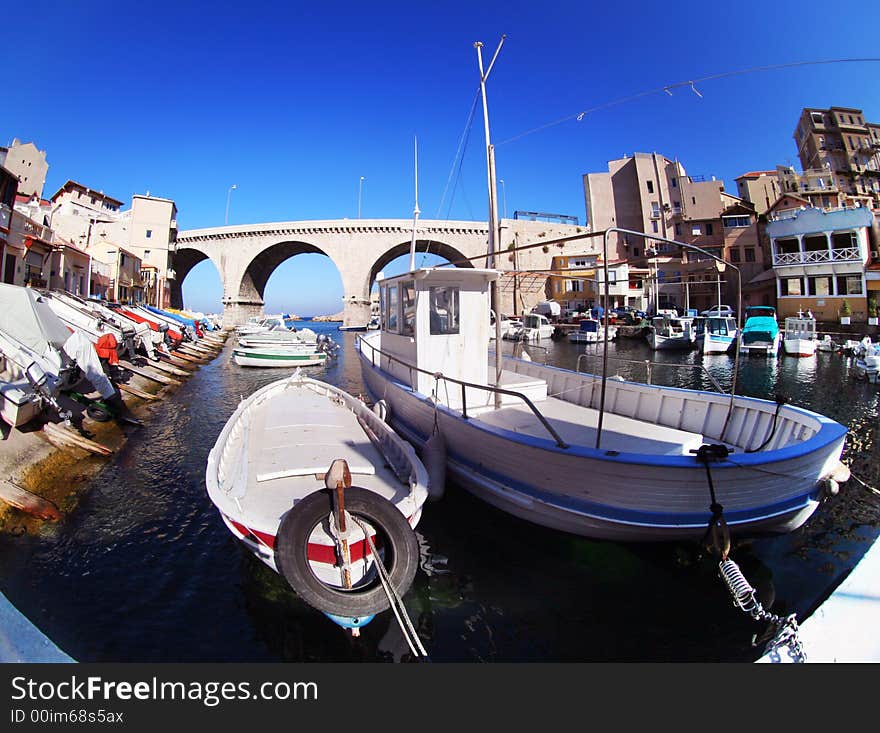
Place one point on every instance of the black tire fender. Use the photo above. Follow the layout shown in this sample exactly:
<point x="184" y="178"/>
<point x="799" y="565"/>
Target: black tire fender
<point x="398" y="540"/>
<point x="98" y="413"/>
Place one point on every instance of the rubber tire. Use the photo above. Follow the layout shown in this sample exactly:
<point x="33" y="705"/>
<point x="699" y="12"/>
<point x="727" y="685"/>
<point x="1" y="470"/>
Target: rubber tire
<point x="98" y="413"/>
<point x="291" y="545"/>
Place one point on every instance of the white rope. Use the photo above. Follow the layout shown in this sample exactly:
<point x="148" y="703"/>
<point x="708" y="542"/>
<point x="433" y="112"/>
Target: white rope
<point x="394" y="599"/>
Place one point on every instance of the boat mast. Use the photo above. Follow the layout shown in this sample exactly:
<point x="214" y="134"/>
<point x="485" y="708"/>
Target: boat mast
<point x="493" y="208"/>
<point x="416" y="212"/>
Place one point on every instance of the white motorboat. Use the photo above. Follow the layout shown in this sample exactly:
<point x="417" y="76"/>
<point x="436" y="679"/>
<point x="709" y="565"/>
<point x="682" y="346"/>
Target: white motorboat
<point x="799" y="338"/>
<point x="866" y="364"/>
<point x="505" y="325"/>
<point x="826" y="343"/>
<point x="282" y="355"/>
<point x="760" y="334"/>
<point x="281" y="475"/>
<point x="592" y="331"/>
<point x="601" y="458"/>
<point x="533" y="327"/>
<point x="41" y="358"/>
<point x="716" y="334"/>
<point x="671" y="332"/>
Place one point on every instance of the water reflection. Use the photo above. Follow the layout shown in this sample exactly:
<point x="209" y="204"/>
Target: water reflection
<point x="145" y="570"/>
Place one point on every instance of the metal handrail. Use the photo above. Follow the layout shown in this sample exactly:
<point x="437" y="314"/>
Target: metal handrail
<point x="648" y="364"/>
<point x="439" y="375"/>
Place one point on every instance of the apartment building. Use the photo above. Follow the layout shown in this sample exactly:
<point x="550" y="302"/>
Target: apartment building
<point x="760" y="188"/>
<point x="28" y="163"/>
<point x="124" y="269"/>
<point x="578" y="282"/>
<point x="819" y="258"/>
<point x="94" y="221"/>
<point x="841" y="143"/>
<point x="653" y="194"/>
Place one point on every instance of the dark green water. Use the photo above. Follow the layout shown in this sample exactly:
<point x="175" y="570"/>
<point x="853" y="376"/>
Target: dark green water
<point x="144" y="569"/>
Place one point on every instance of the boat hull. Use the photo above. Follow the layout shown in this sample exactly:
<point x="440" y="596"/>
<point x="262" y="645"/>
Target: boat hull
<point x="592" y="493"/>
<point x="799" y="347"/>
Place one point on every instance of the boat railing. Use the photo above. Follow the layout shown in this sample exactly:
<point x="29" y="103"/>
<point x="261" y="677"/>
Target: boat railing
<point x="649" y="365"/>
<point x="439" y="376"/>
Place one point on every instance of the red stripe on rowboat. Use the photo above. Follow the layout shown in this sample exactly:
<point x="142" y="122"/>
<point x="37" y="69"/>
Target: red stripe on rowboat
<point x="316" y="553"/>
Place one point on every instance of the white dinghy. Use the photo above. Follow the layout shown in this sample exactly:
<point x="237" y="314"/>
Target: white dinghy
<point x="281" y="475"/>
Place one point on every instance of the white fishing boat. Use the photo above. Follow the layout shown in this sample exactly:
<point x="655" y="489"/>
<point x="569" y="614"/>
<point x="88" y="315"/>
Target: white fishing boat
<point x="760" y="335"/>
<point x="318" y="486"/>
<point x="283" y="355"/>
<point x="716" y="334"/>
<point x="799" y="338"/>
<point x="826" y="343"/>
<point x="671" y="333"/>
<point x="592" y="331"/>
<point x="601" y="458"/>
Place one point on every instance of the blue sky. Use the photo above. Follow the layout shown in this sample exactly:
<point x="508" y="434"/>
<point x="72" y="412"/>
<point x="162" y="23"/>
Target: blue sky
<point x="294" y="102"/>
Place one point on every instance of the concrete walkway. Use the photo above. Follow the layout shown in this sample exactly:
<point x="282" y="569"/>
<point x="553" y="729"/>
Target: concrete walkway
<point x="21" y="641"/>
<point x="844" y="627"/>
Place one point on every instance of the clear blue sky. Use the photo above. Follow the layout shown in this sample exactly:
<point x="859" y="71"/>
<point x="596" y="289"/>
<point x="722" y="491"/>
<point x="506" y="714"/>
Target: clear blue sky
<point x="294" y="102"/>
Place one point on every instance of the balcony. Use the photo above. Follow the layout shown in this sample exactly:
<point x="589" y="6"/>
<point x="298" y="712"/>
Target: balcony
<point x="846" y="254"/>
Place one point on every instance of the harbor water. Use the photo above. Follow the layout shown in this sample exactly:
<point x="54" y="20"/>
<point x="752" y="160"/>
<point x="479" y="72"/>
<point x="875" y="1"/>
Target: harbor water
<point x="144" y="569"/>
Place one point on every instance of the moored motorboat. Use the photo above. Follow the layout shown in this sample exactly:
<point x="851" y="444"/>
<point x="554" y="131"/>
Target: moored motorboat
<point x="799" y="338"/>
<point x="311" y="480"/>
<point x="283" y="355"/>
<point x="671" y="333"/>
<point x="760" y="335"/>
<point x="716" y="334"/>
<point x="592" y="331"/>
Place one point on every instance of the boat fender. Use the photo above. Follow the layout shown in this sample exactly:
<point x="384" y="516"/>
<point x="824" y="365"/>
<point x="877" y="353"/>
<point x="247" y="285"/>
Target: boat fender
<point x="393" y="534"/>
<point x="350" y="622"/>
<point x="381" y="409"/>
<point x="434" y="458"/>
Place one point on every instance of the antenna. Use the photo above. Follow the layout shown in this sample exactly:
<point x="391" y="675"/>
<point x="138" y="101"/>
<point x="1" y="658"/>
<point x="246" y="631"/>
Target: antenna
<point x="416" y="212"/>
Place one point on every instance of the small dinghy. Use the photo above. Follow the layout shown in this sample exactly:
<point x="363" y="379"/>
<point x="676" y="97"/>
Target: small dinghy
<point x="317" y="486"/>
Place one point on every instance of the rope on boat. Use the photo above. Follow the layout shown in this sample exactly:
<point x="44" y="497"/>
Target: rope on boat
<point x="867" y="486"/>
<point x="785" y="629"/>
<point x="780" y="401"/>
<point x="403" y="620"/>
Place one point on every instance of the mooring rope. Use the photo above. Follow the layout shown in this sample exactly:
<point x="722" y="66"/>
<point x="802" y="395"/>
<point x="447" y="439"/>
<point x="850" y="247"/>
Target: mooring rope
<point x="403" y="620"/>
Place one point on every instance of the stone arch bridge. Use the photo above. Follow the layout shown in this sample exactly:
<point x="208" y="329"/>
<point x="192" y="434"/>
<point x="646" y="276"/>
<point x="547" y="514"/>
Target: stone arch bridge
<point x="246" y="256"/>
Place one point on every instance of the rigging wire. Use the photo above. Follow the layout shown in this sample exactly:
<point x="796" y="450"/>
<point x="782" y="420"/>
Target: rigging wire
<point x="690" y="84"/>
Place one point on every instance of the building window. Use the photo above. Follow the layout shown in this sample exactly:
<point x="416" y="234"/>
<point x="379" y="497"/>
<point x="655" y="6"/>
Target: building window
<point x="635" y="251"/>
<point x="792" y="286"/>
<point x="819" y="285"/>
<point x="674" y="182"/>
<point x="817" y="117"/>
<point x="654" y="226"/>
<point x="696" y="230"/>
<point x="734" y="255"/>
<point x="694" y="200"/>
<point x="655" y="208"/>
<point x="709" y="229"/>
<point x="849" y="285"/>
<point x="149" y="233"/>
<point x="731" y="222"/>
<point x="750" y="254"/>
<point x="576" y="286"/>
<point x="650" y="186"/>
<point x="678" y="229"/>
<point x="444" y="310"/>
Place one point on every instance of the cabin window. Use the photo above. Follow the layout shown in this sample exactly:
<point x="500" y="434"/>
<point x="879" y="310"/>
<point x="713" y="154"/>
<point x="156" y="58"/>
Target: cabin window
<point x="444" y="310"/>
<point x="391" y="314"/>
<point x="408" y="306"/>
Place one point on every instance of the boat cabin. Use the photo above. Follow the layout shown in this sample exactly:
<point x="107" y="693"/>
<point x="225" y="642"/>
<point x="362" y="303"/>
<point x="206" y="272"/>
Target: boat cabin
<point x="434" y="319"/>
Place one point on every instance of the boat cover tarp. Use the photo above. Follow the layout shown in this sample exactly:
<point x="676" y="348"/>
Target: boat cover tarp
<point x="759" y="328"/>
<point x="80" y="349"/>
<point x="180" y="319"/>
<point x="26" y="317"/>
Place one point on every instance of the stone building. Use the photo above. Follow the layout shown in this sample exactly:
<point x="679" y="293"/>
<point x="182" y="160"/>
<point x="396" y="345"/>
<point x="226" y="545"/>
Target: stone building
<point x="29" y="164"/>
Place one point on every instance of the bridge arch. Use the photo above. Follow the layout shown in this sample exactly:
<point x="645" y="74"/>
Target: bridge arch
<point x="185" y="259"/>
<point x="252" y="286"/>
<point x="441" y="249"/>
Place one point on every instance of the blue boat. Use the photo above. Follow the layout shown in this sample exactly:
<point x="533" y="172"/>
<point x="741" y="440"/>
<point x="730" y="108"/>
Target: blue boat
<point x="760" y="335"/>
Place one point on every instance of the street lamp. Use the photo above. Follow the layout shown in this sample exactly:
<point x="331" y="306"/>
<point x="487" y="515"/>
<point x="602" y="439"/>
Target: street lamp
<point x="503" y="198"/>
<point x="360" y="189"/>
<point x="228" y="194"/>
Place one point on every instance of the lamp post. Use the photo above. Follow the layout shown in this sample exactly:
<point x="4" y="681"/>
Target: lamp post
<point x="228" y="195"/>
<point x="503" y="198"/>
<point x="360" y="189"/>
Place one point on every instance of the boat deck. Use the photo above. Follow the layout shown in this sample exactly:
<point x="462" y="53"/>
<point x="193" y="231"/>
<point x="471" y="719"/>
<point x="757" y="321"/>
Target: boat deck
<point x="294" y="437"/>
<point x="577" y="425"/>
